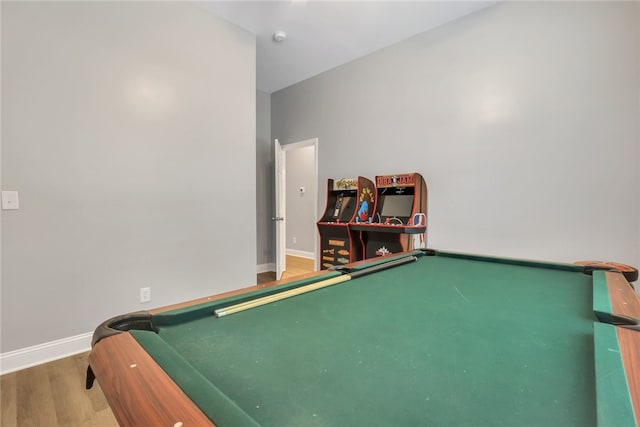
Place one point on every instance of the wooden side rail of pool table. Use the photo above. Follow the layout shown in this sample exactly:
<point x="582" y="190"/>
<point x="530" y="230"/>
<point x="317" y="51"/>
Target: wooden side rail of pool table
<point x="131" y="379"/>
<point x="626" y="302"/>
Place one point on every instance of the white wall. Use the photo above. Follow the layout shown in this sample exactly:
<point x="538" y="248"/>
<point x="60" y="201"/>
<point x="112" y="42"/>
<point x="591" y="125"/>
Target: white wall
<point x="523" y="119"/>
<point x="129" y="130"/>
<point x="301" y="218"/>
<point x="264" y="184"/>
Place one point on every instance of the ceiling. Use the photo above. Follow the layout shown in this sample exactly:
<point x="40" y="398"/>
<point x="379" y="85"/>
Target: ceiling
<point x="324" y="34"/>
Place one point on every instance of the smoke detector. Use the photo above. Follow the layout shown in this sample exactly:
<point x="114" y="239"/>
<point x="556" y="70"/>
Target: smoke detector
<point x="279" y="36"/>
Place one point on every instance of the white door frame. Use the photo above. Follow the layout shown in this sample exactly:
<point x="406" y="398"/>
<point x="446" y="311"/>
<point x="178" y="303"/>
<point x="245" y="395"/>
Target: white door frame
<point x="281" y="195"/>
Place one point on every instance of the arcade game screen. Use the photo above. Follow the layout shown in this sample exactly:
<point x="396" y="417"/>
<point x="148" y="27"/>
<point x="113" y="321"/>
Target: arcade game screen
<point x="344" y="208"/>
<point x="397" y="205"/>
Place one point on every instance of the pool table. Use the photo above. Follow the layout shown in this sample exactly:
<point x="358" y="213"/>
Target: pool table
<point x="427" y="338"/>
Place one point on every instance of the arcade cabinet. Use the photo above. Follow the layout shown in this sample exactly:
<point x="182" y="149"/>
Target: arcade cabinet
<point x="349" y="200"/>
<point x="399" y="222"/>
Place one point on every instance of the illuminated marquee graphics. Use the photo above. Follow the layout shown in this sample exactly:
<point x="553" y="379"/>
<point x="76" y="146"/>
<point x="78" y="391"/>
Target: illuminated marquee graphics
<point x="403" y="180"/>
<point x="346" y="184"/>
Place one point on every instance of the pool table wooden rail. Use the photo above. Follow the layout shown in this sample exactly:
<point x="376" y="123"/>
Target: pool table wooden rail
<point x="623" y="298"/>
<point x="235" y="292"/>
<point x="139" y="392"/>
<point x="626" y="302"/>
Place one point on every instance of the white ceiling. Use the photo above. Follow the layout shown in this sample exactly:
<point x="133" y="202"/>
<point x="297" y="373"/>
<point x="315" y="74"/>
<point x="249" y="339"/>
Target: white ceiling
<point x="324" y="34"/>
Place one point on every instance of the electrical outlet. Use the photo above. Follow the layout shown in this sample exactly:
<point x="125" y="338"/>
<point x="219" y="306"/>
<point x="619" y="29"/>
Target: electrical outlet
<point x="295" y="240"/>
<point x="10" y="200"/>
<point x="145" y="295"/>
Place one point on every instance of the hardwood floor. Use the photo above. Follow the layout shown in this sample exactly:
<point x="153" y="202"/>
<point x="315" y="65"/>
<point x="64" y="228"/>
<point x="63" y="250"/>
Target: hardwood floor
<point x="53" y="394"/>
<point x="295" y="267"/>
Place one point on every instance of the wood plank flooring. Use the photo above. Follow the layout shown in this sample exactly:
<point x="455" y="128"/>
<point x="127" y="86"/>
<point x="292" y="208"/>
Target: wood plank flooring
<point x="53" y="394"/>
<point x="295" y="267"/>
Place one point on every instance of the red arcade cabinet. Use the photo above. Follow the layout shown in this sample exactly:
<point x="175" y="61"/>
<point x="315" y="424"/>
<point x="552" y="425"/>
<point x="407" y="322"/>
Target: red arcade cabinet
<point x="349" y="201"/>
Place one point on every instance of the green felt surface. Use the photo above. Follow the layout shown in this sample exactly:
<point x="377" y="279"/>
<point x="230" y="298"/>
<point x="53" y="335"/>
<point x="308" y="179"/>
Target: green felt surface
<point x="206" y="395"/>
<point x="441" y="341"/>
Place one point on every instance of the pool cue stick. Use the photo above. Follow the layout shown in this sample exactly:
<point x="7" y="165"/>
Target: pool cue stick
<point x="279" y="296"/>
<point x="236" y="308"/>
<point x="383" y="266"/>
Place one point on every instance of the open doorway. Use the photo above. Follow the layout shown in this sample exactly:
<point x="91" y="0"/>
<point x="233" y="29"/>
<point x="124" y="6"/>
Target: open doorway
<point x="296" y="202"/>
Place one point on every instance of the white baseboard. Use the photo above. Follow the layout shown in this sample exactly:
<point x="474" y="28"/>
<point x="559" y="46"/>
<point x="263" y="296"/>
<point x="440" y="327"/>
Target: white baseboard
<point x="265" y="268"/>
<point x="23" y="358"/>
<point x="302" y="254"/>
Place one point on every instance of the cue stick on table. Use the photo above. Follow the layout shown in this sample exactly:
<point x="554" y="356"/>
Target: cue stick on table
<point x="236" y="308"/>
<point x="279" y="296"/>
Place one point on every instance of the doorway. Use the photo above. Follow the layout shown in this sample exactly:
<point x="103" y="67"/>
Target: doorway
<point x="296" y="179"/>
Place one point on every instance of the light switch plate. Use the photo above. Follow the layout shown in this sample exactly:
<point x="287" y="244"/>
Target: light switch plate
<point x="10" y="200"/>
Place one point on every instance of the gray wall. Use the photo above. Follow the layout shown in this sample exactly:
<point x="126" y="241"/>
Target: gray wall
<point x="301" y="218"/>
<point x="264" y="184"/>
<point x="522" y="118"/>
<point x="129" y="130"/>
